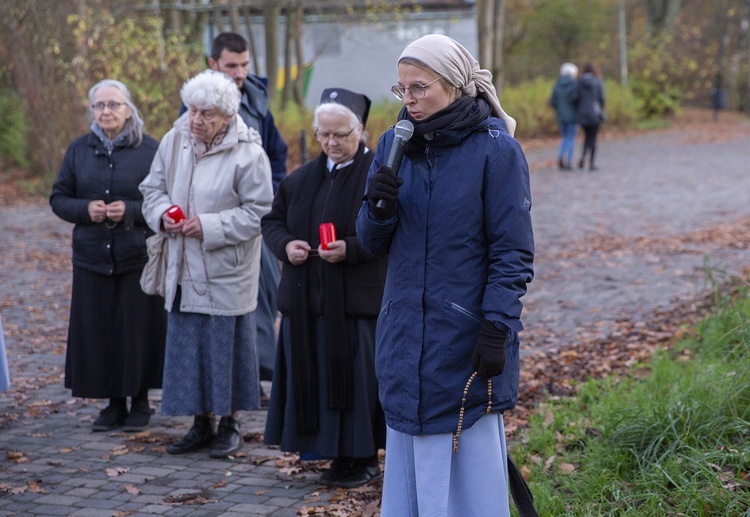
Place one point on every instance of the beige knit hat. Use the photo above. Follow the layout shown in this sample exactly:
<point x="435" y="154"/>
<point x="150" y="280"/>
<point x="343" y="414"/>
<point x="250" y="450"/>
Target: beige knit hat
<point x="449" y="59"/>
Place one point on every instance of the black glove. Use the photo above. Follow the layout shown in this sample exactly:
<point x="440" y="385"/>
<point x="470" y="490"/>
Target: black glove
<point x="488" y="358"/>
<point x="384" y="185"/>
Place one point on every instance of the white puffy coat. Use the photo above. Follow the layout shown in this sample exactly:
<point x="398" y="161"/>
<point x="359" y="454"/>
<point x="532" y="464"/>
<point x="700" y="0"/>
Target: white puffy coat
<point x="229" y="189"/>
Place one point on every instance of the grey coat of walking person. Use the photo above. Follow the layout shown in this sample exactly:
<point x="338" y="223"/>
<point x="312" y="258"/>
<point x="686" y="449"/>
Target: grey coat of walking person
<point x="561" y="100"/>
<point x="213" y="167"/>
<point x="116" y="332"/>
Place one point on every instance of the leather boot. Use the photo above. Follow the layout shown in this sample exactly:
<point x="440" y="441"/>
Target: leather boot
<point x="140" y="414"/>
<point x="112" y="416"/>
<point x="229" y="439"/>
<point x="200" y="435"/>
<point x="361" y="472"/>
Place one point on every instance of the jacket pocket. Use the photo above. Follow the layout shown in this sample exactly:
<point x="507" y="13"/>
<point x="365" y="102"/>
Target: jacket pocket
<point x="458" y="309"/>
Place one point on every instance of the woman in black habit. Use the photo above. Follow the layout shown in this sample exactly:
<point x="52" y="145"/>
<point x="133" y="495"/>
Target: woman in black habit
<point x="324" y="402"/>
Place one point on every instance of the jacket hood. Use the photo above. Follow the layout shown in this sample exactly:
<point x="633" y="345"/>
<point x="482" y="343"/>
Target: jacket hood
<point x="588" y="81"/>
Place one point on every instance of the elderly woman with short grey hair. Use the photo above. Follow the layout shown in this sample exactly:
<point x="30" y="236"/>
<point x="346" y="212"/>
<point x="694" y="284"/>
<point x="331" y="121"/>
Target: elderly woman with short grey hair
<point x="116" y="332"/>
<point x="211" y="166"/>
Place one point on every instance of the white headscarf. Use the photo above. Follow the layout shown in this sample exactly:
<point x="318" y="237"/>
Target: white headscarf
<point x="449" y="59"/>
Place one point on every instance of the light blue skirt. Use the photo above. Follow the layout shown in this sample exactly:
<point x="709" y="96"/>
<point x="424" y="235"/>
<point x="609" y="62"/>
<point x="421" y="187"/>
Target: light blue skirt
<point x="4" y="373"/>
<point x="423" y="477"/>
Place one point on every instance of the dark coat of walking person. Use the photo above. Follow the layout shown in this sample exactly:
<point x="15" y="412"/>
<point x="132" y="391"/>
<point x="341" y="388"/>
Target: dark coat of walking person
<point x="213" y="167"/>
<point x="116" y="332"/>
<point x="324" y="401"/>
<point x="561" y="100"/>
<point x="455" y="224"/>
<point x="589" y="100"/>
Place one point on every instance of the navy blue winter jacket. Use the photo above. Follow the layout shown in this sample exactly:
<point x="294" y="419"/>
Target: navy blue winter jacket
<point x="89" y="173"/>
<point x="460" y="251"/>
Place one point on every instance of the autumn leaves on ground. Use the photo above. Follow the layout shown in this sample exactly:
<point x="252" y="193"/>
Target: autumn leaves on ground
<point x="549" y="369"/>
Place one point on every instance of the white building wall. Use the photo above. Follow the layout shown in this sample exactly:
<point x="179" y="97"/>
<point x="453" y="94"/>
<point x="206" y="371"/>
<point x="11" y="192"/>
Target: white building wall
<point x="361" y="55"/>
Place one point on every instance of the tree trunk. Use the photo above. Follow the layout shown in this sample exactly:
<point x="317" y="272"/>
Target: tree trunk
<point x="660" y="15"/>
<point x="251" y="43"/>
<point x="485" y="10"/>
<point x="217" y="21"/>
<point x="234" y="17"/>
<point x="498" y="54"/>
<point x="299" y="80"/>
<point x="288" y="37"/>
<point x="271" y="13"/>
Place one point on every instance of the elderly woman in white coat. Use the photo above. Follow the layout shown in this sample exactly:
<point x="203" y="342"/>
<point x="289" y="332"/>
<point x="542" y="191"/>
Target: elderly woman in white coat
<point x="213" y="167"/>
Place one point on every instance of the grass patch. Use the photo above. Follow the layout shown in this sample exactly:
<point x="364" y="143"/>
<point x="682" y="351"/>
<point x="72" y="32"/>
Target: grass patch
<point x="674" y="442"/>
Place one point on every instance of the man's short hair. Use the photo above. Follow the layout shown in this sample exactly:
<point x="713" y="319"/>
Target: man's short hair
<point x="230" y="41"/>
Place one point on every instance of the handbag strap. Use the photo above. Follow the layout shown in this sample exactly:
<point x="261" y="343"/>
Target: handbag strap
<point x="520" y="492"/>
<point x="172" y="171"/>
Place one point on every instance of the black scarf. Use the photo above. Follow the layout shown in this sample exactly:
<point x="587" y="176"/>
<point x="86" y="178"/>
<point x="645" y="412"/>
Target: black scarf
<point x="345" y="187"/>
<point x="462" y="114"/>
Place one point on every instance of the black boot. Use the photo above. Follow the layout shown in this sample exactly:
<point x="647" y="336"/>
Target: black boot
<point x="339" y="470"/>
<point x="112" y="416"/>
<point x="200" y="435"/>
<point x="229" y="439"/>
<point x="140" y="413"/>
<point x="361" y="472"/>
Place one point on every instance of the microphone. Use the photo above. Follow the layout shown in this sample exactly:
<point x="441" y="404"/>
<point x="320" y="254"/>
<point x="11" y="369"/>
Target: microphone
<point x="403" y="131"/>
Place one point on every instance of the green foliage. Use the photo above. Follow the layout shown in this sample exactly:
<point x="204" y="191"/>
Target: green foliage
<point x="136" y="53"/>
<point x="541" y="35"/>
<point x="292" y="122"/>
<point x="13" y="129"/>
<point x="672" y="443"/>
<point x="658" y="77"/>
<point x="529" y="104"/>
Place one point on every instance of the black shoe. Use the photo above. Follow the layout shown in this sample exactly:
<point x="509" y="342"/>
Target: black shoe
<point x="228" y="439"/>
<point x="111" y="417"/>
<point x="139" y="417"/>
<point x="580" y="164"/>
<point x="362" y="471"/>
<point x="339" y="470"/>
<point x="201" y="435"/>
<point x="560" y="163"/>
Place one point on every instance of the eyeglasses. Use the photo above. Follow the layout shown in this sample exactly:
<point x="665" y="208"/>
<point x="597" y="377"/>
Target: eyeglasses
<point x="416" y="90"/>
<point x="112" y="105"/>
<point x="336" y="137"/>
<point x="207" y="115"/>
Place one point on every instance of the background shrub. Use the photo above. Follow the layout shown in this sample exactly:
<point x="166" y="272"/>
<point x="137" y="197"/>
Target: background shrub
<point x="13" y="129"/>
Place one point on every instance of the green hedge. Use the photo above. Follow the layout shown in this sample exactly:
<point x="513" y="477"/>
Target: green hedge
<point x="528" y="103"/>
<point x="13" y="129"/>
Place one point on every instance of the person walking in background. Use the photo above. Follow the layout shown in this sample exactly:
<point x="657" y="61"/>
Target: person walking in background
<point x="213" y="167"/>
<point x="589" y="101"/>
<point x="565" y="112"/>
<point x="230" y="54"/>
<point x="116" y="332"/>
<point x="456" y="225"/>
<point x="324" y="401"/>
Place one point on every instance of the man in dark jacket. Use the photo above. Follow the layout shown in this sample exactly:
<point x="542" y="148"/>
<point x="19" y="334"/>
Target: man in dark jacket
<point x="230" y="54"/>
